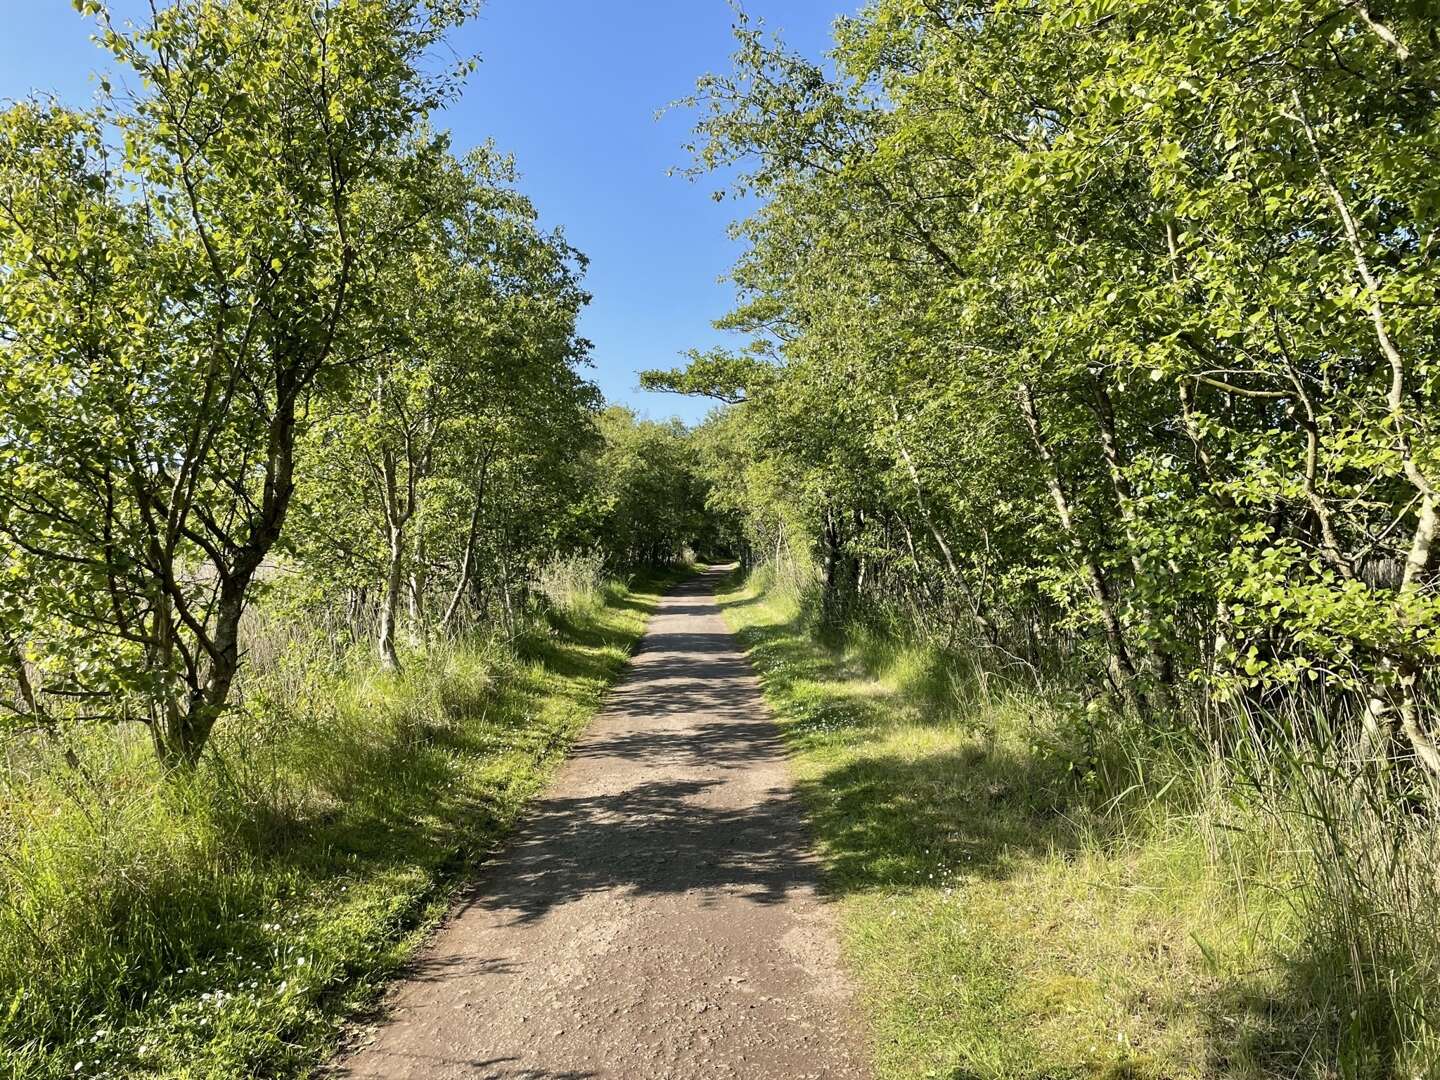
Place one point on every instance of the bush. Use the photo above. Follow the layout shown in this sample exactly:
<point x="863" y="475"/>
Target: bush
<point x="1032" y="885"/>
<point x="573" y="584"/>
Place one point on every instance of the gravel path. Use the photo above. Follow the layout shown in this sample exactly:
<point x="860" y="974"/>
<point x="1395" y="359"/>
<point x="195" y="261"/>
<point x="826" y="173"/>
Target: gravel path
<point x="658" y="915"/>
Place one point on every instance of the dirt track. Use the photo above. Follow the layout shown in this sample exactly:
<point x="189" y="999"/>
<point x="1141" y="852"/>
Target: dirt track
<point x="657" y="917"/>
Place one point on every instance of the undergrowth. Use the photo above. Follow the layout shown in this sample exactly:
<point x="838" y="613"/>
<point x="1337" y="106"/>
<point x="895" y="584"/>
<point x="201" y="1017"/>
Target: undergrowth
<point x="227" y="923"/>
<point x="1031" y="889"/>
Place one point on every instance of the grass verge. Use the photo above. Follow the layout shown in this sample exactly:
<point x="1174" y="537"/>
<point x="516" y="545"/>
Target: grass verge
<point x="1021" y="901"/>
<point x="227" y="926"/>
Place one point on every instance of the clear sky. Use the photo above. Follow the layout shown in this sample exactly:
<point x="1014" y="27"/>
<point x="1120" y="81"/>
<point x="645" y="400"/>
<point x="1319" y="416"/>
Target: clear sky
<point x="571" y="88"/>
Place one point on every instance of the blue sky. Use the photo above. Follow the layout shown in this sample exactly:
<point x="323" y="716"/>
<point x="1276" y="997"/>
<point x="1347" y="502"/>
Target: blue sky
<point x="571" y="88"/>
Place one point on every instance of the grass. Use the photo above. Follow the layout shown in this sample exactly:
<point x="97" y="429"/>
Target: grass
<point x="229" y="925"/>
<point x="1025" y="896"/>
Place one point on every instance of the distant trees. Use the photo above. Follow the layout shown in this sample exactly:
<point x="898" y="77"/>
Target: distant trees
<point x="1104" y="331"/>
<point x="646" y="501"/>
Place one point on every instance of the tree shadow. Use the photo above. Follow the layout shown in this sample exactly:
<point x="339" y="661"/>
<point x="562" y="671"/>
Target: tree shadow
<point x="1309" y="1020"/>
<point x="437" y="1064"/>
<point x="651" y="839"/>
<point x="397" y="804"/>
<point x="889" y="821"/>
<point x="732" y="601"/>
<point x="567" y="632"/>
<point x="499" y="1069"/>
<point x="690" y="714"/>
<point x="885" y="821"/>
<point x="984" y="808"/>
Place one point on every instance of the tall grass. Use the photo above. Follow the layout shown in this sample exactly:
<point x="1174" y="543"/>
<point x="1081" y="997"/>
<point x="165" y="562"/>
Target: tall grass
<point x="1366" y="835"/>
<point x="1035" y="887"/>
<point x="573" y="584"/>
<point x="224" y="923"/>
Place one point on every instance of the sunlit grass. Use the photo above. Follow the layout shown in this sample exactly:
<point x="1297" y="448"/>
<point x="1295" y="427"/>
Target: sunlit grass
<point x="227" y="925"/>
<point x="1026" y="896"/>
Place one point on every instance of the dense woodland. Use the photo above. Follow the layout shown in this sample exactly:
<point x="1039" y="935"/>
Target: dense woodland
<point x="1097" y="341"/>
<point x="1091" y="347"/>
<point x="1106" y="329"/>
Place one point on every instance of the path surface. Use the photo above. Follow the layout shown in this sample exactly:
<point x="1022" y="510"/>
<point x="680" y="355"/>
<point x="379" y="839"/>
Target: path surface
<point x="658" y="917"/>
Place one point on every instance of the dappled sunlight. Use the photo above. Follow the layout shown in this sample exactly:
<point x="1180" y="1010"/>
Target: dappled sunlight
<point x="1008" y="920"/>
<point x="301" y="865"/>
<point x="1065" y="460"/>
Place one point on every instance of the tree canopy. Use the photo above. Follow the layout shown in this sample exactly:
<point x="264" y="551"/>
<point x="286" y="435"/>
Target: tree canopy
<point x="1105" y="328"/>
<point x="258" y="320"/>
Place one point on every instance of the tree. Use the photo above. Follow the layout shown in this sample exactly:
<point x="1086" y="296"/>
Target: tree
<point x="1125" y="311"/>
<point x="646" y="498"/>
<point x="172" y="311"/>
<point x="449" y="435"/>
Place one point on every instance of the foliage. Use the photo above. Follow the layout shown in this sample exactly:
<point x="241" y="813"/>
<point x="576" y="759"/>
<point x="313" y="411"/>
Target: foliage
<point x="447" y="473"/>
<point x="260" y="324"/>
<point x="1091" y="342"/>
<point x="289" y="384"/>
<point x="646" y="498"/>
<point x="1105" y="327"/>
<point x="225" y="922"/>
<point x="172" y="309"/>
<point x="1027" y="891"/>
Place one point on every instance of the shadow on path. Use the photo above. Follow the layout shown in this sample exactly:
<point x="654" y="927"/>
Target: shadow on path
<point x="659" y="913"/>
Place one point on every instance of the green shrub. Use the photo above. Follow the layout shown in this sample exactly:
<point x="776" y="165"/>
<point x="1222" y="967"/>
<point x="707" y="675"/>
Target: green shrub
<point x="1033" y="887"/>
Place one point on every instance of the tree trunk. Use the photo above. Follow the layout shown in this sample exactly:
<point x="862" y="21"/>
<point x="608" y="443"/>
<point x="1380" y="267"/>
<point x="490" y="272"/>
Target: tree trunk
<point x="181" y="730"/>
<point x="1104" y="409"/>
<point x="390" y="599"/>
<point x="1096" y="582"/>
<point x="1409" y="674"/>
<point x="505" y="593"/>
<point x="976" y="607"/>
<point x="467" y="559"/>
<point x="830" y="566"/>
<point x="417" y="589"/>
